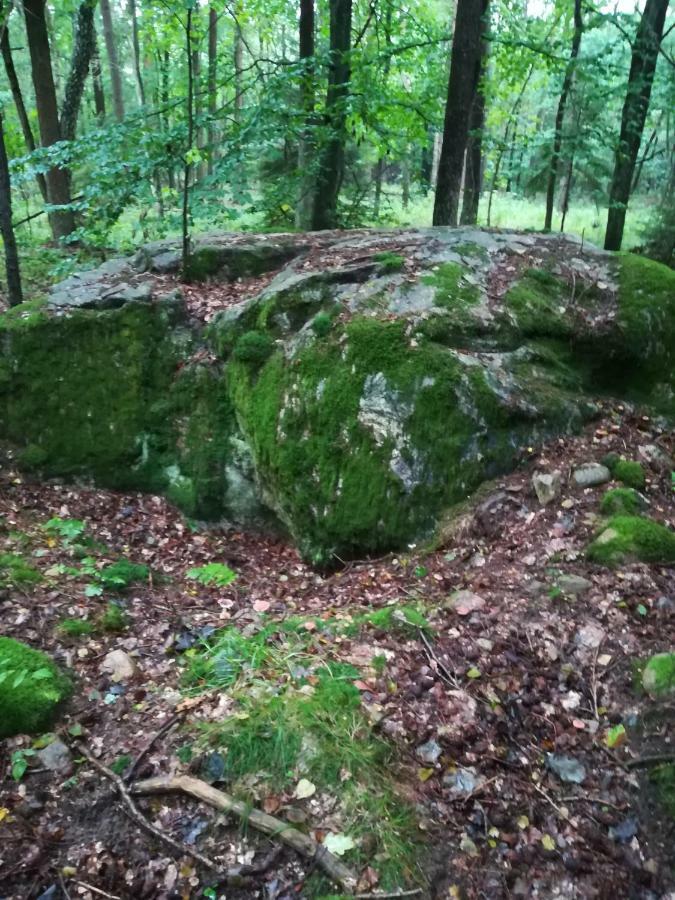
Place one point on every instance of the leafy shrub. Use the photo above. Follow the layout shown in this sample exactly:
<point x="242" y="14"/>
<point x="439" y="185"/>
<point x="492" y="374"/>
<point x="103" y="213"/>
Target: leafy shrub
<point x="253" y="348"/>
<point x="66" y="529"/>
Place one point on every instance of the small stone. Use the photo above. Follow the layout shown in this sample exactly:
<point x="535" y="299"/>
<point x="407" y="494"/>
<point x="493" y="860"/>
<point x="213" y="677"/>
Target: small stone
<point x="485" y="644"/>
<point x="56" y="757"/>
<point x="656" y="457"/>
<point x="567" y="768"/>
<point x="119" y="665"/>
<point x="466" y="602"/>
<point x="429" y="753"/>
<point x="567" y="503"/>
<point x="592" y="474"/>
<point x="574" y="584"/>
<point x="546" y="486"/>
<point x="589" y="637"/>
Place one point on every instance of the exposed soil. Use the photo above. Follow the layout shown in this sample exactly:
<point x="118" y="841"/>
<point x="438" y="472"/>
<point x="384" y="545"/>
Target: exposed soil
<point x="528" y="672"/>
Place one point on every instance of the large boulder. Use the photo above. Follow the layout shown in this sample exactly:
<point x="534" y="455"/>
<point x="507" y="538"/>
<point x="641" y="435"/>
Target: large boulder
<point x="374" y="379"/>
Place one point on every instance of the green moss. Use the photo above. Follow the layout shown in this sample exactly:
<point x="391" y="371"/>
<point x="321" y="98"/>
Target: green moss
<point x="663" y="778"/>
<point x="454" y="290"/>
<point x="254" y="348"/>
<point x="621" y="501"/>
<point x="32" y="689"/>
<point x="658" y="676"/>
<point x="389" y="262"/>
<point x="122" y="574"/>
<point x="76" y="627"/>
<point x="322" y="324"/>
<point x="629" y="472"/>
<point x="405" y="618"/>
<point x="626" y="537"/>
<point x="537" y="302"/>
<point x="114" y="619"/>
<point x="15" y="571"/>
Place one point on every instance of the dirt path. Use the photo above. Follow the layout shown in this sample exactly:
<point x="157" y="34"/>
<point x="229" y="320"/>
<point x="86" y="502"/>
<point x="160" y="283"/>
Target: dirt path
<point x="480" y="704"/>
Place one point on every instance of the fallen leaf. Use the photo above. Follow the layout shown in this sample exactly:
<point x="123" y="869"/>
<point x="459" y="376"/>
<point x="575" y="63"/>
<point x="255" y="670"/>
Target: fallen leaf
<point x="304" y="789"/>
<point x="338" y="843"/>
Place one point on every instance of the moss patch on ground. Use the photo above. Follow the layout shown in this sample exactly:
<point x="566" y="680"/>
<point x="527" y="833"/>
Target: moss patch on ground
<point x="33" y="689"/>
<point x="633" y="537"/>
<point x="15" y="571"/>
<point x="621" y="501"/>
<point x="658" y="676"/>
<point x="538" y="304"/>
<point x="629" y="473"/>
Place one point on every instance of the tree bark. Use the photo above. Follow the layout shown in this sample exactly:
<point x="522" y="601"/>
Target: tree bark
<point x="14" y="293"/>
<point x="560" y="114"/>
<point x="83" y="49"/>
<point x="636" y="104"/>
<point x="462" y="85"/>
<point x="238" y="64"/>
<point x="58" y="181"/>
<point x="97" y="80"/>
<point x="113" y="61"/>
<point x="305" y="207"/>
<point x="136" y="44"/>
<point x="331" y="167"/>
<point x="473" y="175"/>
<point x="212" y="86"/>
<point x="17" y="95"/>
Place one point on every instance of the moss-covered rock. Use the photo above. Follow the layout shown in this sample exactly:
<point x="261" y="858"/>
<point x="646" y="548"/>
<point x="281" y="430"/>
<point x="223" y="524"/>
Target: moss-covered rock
<point x="632" y="537"/>
<point x="629" y="473"/>
<point x="658" y="676"/>
<point x="33" y="689"/>
<point x="620" y="501"/>
<point x="349" y="399"/>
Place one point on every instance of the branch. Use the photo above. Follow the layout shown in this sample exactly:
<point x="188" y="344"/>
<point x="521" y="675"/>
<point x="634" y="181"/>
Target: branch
<point x="301" y="843"/>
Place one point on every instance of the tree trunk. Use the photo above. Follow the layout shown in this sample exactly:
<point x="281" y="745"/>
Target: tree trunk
<point x="99" y="93"/>
<point x="305" y="207"/>
<point x="380" y="167"/>
<point x="24" y="121"/>
<point x="474" y="149"/>
<point x="83" y="49"/>
<point x="187" y="165"/>
<point x="14" y="294"/>
<point x="636" y="104"/>
<point x="462" y="84"/>
<point x="58" y="181"/>
<point x="560" y="114"/>
<point x="238" y="65"/>
<point x="212" y="86"/>
<point x="136" y="44"/>
<point x="113" y="61"/>
<point x="330" y="172"/>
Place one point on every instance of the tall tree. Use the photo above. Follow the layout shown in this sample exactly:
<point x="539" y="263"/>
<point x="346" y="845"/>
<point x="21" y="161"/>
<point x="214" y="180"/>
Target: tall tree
<point x="305" y="204"/>
<point x="97" y="81"/>
<point x="113" y="60"/>
<point x="238" y="62"/>
<point x="462" y="85"/>
<point x="473" y="165"/>
<point x="14" y="293"/>
<point x="17" y="96"/>
<point x="640" y="79"/>
<point x="83" y="49"/>
<point x="136" y="45"/>
<point x="62" y="221"/>
<point x="560" y="114"/>
<point x="331" y="165"/>
<point x="212" y="86"/>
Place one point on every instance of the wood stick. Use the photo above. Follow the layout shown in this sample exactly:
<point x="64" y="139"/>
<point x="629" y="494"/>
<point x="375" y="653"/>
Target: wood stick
<point x="301" y="843"/>
<point x="141" y="820"/>
<point x="643" y="762"/>
<point x="167" y="726"/>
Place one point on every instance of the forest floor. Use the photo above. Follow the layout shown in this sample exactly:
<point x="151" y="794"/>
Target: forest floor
<point x="469" y="747"/>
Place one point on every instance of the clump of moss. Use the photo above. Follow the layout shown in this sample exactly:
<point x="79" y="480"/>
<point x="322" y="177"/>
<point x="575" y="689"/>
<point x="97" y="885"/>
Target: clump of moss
<point x="537" y="303"/>
<point x="32" y="689"/>
<point x="389" y="262"/>
<point x="396" y="618"/>
<point x="621" y="501"/>
<point x="76" y="627"/>
<point x="454" y="290"/>
<point x="629" y="473"/>
<point x="114" y="619"/>
<point x="626" y="537"/>
<point x="253" y="348"/>
<point x="322" y="323"/>
<point x="15" y="571"/>
<point x="658" y="676"/>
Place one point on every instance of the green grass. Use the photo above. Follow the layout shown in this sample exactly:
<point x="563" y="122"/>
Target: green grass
<point x="15" y="571"/>
<point x="76" y="627"/>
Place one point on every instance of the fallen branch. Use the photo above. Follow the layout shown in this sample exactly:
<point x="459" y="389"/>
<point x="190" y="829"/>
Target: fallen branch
<point x="388" y="896"/>
<point x="301" y="843"/>
<point x="643" y="762"/>
<point x="167" y="726"/>
<point x="141" y="820"/>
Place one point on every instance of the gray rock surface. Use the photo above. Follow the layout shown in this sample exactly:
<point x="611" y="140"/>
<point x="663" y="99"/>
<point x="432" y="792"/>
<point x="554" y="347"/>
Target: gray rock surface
<point x="591" y="475"/>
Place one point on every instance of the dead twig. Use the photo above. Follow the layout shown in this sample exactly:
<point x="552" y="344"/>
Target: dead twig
<point x="594" y="680"/>
<point x="167" y="726"/>
<point x="95" y="890"/>
<point x="301" y="843"/>
<point x="643" y="762"/>
<point x="388" y="896"/>
<point x="141" y="820"/>
<point x="447" y="676"/>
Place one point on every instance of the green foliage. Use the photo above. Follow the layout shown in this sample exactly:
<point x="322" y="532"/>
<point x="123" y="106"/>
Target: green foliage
<point x="658" y="676"/>
<point x="212" y="574"/>
<point x="114" y="619"/>
<point x="253" y="348"/>
<point x="322" y="324"/>
<point x="32" y="689"/>
<point x="68" y="530"/>
<point x="663" y="778"/>
<point x="621" y="501"/>
<point x="19" y="762"/>
<point x="122" y="574"/>
<point x="407" y="619"/>
<point x="76" y="627"/>
<point x="626" y="537"/>
<point x="15" y="571"/>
